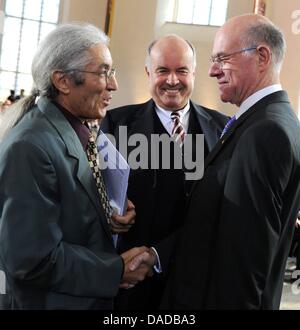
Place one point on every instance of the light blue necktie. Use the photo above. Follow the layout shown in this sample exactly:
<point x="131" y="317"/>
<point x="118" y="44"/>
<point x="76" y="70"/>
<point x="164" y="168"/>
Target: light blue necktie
<point x="227" y="126"/>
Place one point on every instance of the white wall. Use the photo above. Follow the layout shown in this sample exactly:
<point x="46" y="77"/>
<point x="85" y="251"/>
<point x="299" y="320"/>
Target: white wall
<point x="138" y="22"/>
<point x="133" y="30"/>
<point x="92" y="11"/>
<point x="281" y="14"/>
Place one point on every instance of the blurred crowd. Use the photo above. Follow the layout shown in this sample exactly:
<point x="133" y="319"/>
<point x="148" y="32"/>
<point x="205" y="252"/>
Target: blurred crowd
<point x="12" y="98"/>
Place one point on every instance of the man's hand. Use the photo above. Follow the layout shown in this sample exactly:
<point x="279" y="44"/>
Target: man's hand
<point x="121" y="224"/>
<point x="147" y="258"/>
<point x="136" y="272"/>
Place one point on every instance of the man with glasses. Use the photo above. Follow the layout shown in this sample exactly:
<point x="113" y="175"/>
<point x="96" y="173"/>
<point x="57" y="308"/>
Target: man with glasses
<point x="56" y="225"/>
<point x="241" y="214"/>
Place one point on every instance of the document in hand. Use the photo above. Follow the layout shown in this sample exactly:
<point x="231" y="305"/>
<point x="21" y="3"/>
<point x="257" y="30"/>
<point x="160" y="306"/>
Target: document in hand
<point x="115" y="171"/>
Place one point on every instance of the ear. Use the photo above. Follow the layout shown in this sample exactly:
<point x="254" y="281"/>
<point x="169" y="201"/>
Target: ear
<point x="264" y="56"/>
<point x="147" y="71"/>
<point x="61" y="81"/>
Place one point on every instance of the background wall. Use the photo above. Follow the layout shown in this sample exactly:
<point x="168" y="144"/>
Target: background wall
<point x="206" y="90"/>
<point x="133" y="30"/>
<point x="281" y="14"/>
<point x="92" y="11"/>
<point x="138" y="22"/>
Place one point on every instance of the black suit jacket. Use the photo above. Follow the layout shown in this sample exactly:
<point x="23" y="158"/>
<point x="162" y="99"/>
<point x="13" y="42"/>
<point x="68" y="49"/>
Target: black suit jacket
<point x="158" y="195"/>
<point x="241" y="215"/>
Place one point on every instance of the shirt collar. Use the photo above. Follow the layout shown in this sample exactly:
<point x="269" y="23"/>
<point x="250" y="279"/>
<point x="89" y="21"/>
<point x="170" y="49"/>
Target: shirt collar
<point x="167" y="113"/>
<point x="257" y="96"/>
<point x="79" y="127"/>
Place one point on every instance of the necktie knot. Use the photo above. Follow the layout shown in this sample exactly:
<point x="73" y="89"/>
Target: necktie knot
<point x="227" y="126"/>
<point x="177" y="130"/>
<point x="174" y="115"/>
<point x="92" y="137"/>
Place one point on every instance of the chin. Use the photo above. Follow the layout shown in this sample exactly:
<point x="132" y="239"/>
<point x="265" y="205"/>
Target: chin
<point x="102" y="113"/>
<point x="224" y="99"/>
<point x="172" y="105"/>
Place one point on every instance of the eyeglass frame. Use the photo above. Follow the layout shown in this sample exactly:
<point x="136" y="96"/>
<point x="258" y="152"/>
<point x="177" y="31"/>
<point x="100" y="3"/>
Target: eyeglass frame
<point x="108" y="74"/>
<point x="219" y="59"/>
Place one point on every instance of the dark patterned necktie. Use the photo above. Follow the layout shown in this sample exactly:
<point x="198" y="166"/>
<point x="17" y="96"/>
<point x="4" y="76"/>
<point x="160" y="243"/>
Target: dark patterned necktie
<point x="178" y="130"/>
<point x="227" y="126"/>
<point x="92" y="155"/>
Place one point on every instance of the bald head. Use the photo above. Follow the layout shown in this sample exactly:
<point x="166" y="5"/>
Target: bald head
<point x="254" y="30"/>
<point x="170" y="43"/>
<point x="247" y="55"/>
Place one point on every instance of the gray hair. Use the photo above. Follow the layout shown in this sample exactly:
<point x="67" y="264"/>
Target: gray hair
<point x="266" y="33"/>
<point x="66" y="49"/>
<point x="149" y="49"/>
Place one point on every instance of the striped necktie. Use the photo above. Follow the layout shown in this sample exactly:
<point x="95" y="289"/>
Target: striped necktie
<point x="177" y="131"/>
<point x="92" y="155"/>
<point x="227" y="126"/>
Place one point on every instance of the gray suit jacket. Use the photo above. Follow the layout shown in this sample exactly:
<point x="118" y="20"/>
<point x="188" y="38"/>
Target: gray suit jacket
<point x="55" y="245"/>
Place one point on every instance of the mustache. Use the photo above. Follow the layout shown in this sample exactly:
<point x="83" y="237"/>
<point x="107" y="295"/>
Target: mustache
<point x="167" y="86"/>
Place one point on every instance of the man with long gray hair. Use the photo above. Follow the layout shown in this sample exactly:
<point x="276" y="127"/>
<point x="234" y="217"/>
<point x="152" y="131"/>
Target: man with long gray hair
<point x="56" y="247"/>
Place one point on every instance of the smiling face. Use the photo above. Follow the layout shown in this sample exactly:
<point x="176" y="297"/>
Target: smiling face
<point x="239" y="76"/>
<point x="171" y="73"/>
<point x="90" y="99"/>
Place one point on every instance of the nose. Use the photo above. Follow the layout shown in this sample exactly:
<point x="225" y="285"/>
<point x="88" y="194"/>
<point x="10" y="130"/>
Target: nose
<point x="112" y="84"/>
<point x="215" y="69"/>
<point x="172" y="79"/>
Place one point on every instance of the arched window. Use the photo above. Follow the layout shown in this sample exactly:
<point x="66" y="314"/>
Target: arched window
<point x="26" y="22"/>
<point x="202" y="12"/>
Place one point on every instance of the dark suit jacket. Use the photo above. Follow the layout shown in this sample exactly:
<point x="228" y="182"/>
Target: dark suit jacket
<point x="241" y="215"/>
<point x="55" y="245"/>
<point x="158" y="195"/>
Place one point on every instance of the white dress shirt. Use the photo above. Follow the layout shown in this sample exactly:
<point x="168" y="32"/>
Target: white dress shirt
<point x="165" y="117"/>
<point x="257" y="96"/>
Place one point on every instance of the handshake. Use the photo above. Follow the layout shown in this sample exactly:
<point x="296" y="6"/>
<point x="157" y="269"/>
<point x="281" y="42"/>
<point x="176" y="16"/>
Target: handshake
<point x="138" y="263"/>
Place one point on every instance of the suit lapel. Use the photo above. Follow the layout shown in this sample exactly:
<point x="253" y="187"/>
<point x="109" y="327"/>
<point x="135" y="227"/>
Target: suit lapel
<point x="207" y="125"/>
<point x="280" y="96"/>
<point x="143" y="124"/>
<point x="75" y="151"/>
<point x="143" y="121"/>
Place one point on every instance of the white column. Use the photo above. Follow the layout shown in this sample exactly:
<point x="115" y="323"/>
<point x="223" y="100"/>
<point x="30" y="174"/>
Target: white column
<point x="1" y="23"/>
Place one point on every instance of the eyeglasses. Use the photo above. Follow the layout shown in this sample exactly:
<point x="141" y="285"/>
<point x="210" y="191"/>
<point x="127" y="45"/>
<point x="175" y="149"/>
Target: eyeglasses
<point x="221" y="59"/>
<point x="107" y="74"/>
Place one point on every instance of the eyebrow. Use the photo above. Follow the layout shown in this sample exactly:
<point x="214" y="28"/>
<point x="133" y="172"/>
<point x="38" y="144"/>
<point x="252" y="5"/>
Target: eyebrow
<point x="220" y="54"/>
<point x="166" y="68"/>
